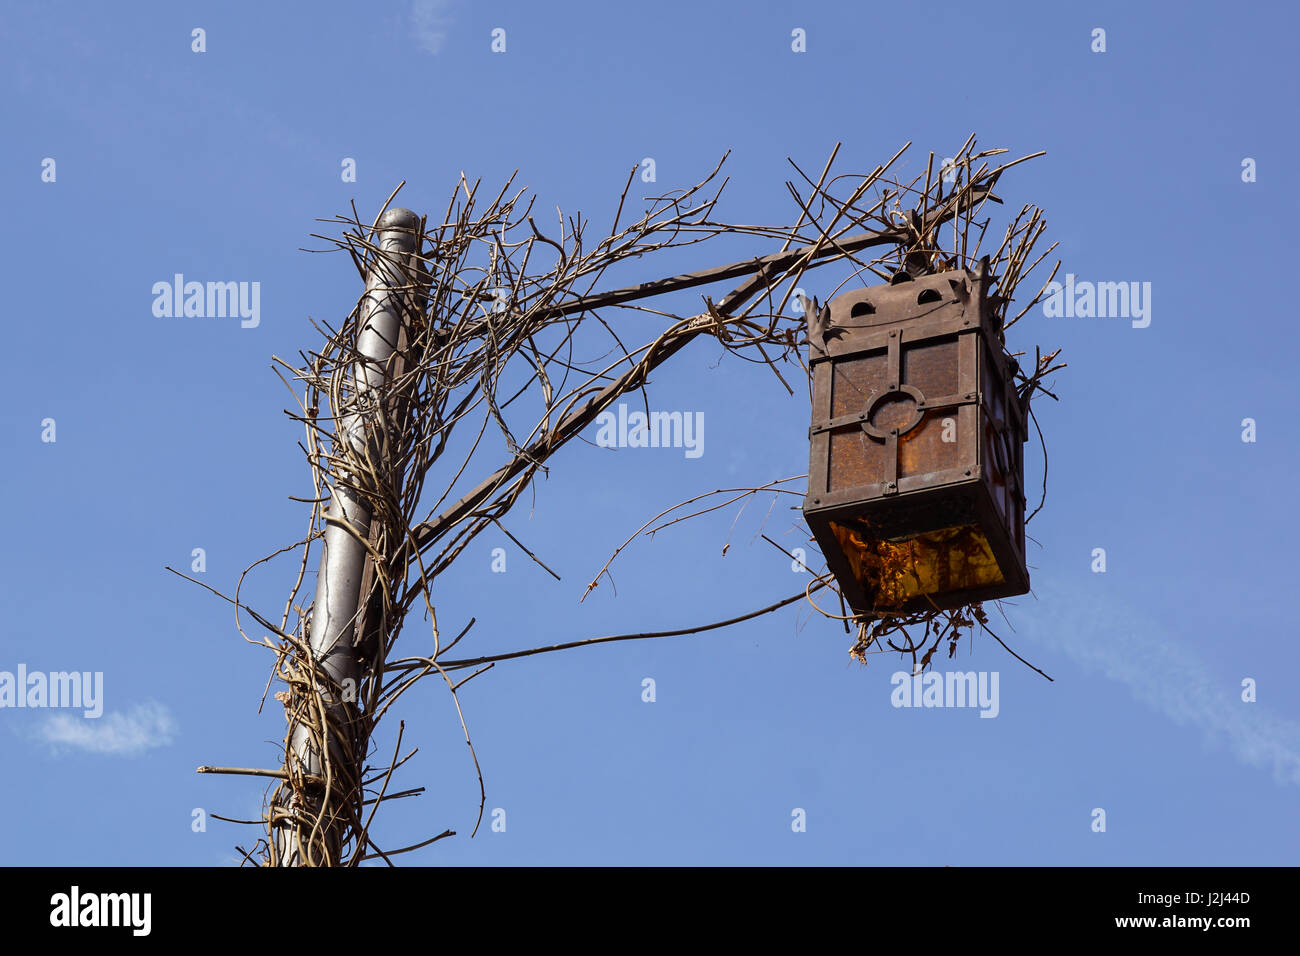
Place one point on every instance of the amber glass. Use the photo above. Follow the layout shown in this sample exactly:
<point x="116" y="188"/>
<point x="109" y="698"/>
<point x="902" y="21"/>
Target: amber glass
<point x="937" y="562"/>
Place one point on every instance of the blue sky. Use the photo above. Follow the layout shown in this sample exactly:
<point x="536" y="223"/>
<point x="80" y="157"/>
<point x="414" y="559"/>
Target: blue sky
<point x="170" y="435"/>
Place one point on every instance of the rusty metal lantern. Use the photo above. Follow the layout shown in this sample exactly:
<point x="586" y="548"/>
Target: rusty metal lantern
<point x="916" y="480"/>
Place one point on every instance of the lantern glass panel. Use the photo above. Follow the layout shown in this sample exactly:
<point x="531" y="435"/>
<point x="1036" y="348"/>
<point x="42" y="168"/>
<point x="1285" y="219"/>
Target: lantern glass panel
<point x="855" y="460"/>
<point x="896" y="572"/>
<point x="932" y="367"/>
<point x="923" y="451"/>
<point x="853" y="381"/>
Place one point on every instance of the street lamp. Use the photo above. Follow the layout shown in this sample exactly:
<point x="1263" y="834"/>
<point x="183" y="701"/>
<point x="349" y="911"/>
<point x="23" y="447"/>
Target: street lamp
<point x="916" y="476"/>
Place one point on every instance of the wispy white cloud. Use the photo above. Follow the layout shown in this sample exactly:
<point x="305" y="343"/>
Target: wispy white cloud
<point x="429" y="22"/>
<point x="1129" y="648"/>
<point x="142" y="728"/>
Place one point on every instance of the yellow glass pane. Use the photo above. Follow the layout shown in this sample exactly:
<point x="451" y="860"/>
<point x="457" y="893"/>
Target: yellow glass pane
<point x="937" y="562"/>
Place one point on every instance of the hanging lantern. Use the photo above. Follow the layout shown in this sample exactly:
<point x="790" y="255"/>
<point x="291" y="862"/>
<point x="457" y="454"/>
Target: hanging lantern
<point x="916" y="480"/>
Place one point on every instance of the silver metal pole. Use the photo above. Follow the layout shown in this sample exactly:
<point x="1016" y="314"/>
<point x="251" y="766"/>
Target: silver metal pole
<point x="336" y="612"/>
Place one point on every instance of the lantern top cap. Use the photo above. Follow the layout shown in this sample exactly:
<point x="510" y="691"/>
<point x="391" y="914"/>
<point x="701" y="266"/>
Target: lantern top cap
<point x="847" y="323"/>
<point x="952" y="286"/>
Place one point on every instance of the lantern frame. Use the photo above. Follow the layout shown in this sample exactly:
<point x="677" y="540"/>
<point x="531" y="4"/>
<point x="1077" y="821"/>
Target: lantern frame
<point x="894" y="368"/>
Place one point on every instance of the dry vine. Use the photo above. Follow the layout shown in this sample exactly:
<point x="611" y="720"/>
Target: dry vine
<point x="503" y="314"/>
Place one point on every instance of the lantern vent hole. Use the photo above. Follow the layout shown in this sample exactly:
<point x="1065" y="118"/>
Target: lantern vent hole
<point x="928" y="295"/>
<point x="862" y="308"/>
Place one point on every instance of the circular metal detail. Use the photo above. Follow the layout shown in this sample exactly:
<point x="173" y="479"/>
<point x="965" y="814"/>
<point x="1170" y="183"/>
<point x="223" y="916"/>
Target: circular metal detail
<point x="894" y="411"/>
